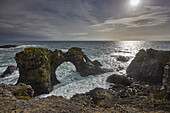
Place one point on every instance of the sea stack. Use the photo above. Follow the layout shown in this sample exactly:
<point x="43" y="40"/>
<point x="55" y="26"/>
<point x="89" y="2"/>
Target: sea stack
<point x="148" y="66"/>
<point x="37" y="66"/>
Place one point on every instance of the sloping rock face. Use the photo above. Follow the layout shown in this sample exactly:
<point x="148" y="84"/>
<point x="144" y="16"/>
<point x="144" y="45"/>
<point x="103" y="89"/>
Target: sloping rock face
<point x="9" y="71"/>
<point x="148" y="66"/>
<point x="37" y="66"/>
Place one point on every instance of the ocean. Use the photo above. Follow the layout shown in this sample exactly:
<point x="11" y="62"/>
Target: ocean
<point x="71" y="82"/>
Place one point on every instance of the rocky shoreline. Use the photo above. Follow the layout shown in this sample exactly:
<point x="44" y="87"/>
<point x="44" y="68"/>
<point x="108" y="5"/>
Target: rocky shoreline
<point x="145" y="88"/>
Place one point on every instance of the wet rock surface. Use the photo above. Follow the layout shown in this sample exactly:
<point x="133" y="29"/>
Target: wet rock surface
<point x="148" y="66"/>
<point x="119" y="80"/>
<point x="9" y="71"/>
<point x="37" y="66"/>
<point x="123" y="58"/>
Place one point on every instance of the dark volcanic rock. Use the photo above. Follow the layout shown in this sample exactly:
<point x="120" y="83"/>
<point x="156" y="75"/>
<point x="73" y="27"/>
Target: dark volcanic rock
<point x="148" y="66"/>
<point x="83" y="64"/>
<point x="17" y="90"/>
<point x="166" y="81"/>
<point x="123" y="58"/>
<point x="37" y="66"/>
<point x="34" y="67"/>
<point x="101" y="97"/>
<point x="119" y="79"/>
<point x="8" y="46"/>
<point x="9" y="71"/>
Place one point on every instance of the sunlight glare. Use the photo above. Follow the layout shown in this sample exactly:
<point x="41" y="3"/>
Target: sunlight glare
<point x="134" y="2"/>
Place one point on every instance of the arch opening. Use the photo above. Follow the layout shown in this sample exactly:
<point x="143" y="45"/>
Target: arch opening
<point x="66" y="72"/>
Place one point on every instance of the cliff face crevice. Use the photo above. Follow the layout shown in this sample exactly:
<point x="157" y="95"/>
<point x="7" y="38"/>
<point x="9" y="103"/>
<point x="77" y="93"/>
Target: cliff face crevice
<point x="37" y="66"/>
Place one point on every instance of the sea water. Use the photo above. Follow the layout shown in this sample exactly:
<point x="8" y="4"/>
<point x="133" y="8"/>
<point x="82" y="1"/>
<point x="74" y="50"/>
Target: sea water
<point x="71" y="82"/>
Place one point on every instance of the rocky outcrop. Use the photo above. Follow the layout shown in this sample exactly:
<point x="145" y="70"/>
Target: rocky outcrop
<point x="9" y="71"/>
<point x="119" y="80"/>
<point x="83" y="64"/>
<point x="8" y="46"/>
<point x="148" y="66"/>
<point x="98" y="100"/>
<point x="34" y="68"/>
<point x="166" y="81"/>
<point x="98" y="97"/>
<point x="37" y="66"/>
<point x="16" y="90"/>
<point x="123" y="58"/>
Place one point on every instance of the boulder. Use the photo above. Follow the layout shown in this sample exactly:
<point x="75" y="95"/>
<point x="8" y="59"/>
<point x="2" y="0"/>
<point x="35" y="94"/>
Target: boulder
<point x="16" y="90"/>
<point x="9" y="71"/>
<point x="8" y="46"/>
<point x="119" y="80"/>
<point x="123" y="58"/>
<point x="101" y="97"/>
<point x="148" y="66"/>
<point x="37" y="66"/>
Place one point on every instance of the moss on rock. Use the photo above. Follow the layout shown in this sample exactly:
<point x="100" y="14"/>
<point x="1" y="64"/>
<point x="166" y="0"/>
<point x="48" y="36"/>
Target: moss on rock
<point x="20" y="90"/>
<point x="23" y="97"/>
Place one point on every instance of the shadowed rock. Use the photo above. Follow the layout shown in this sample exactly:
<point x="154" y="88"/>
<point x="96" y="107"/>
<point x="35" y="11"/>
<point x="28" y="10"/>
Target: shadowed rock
<point x="101" y="97"/>
<point x="37" y="66"/>
<point x="148" y="66"/>
<point x="9" y="71"/>
<point x="35" y="69"/>
<point x="123" y="58"/>
<point x="119" y="79"/>
<point x="17" y="90"/>
<point x="8" y="46"/>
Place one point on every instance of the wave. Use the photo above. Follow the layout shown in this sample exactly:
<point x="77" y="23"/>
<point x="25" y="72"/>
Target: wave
<point x="25" y="46"/>
<point x="82" y="85"/>
<point x="10" y="79"/>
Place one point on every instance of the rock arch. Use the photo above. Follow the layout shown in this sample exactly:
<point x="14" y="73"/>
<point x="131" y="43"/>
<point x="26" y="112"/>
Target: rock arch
<point x="37" y="66"/>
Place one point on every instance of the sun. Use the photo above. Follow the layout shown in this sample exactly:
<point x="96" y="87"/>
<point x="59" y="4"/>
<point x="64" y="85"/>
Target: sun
<point x="134" y="2"/>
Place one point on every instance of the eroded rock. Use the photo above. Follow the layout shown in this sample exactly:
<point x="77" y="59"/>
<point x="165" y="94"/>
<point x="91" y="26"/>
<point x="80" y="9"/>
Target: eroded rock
<point x="148" y="66"/>
<point x="37" y="66"/>
<point x="9" y="71"/>
<point x="34" y="68"/>
<point x="119" y="80"/>
<point x="16" y="90"/>
<point x="8" y="46"/>
<point x="123" y="58"/>
<point x="101" y="97"/>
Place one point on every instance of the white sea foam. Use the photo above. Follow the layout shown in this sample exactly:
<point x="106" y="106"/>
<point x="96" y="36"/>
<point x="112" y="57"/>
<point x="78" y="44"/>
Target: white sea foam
<point x="10" y="79"/>
<point x="25" y="46"/>
<point x="82" y="85"/>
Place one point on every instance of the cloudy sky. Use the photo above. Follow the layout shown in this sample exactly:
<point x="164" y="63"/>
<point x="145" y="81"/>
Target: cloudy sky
<point x="80" y="20"/>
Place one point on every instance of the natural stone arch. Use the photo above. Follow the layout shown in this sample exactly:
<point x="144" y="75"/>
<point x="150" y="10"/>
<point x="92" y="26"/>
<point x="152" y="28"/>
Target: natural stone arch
<point x="37" y="66"/>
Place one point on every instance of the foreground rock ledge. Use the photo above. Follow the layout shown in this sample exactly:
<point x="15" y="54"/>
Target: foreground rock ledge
<point x="37" y="66"/>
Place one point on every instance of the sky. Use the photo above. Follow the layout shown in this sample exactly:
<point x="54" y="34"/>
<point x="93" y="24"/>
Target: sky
<point x="84" y="20"/>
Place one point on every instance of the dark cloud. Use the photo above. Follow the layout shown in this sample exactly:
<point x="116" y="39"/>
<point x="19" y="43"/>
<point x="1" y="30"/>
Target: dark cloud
<point x="78" y="19"/>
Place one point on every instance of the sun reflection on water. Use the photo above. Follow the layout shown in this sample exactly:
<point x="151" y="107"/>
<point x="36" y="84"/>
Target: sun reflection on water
<point x="131" y="46"/>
